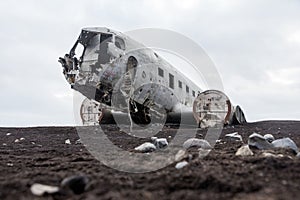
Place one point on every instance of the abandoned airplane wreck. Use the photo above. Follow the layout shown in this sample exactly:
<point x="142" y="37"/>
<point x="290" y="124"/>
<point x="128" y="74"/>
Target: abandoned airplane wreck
<point x="119" y="75"/>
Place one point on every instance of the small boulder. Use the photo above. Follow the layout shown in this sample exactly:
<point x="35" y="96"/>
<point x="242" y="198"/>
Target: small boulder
<point x="67" y="141"/>
<point x="269" y="137"/>
<point x="285" y="143"/>
<point x="40" y="189"/>
<point x="259" y="142"/>
<point x="181" y="154"/>
<point x="146" y="147"/>
<point x="194" y="142"/>
<point x="161" y="143"/>
<point x="234" y="136"/>
<point x="181" y="165"/>
<point x="244" y="151"/>
<point x="77" y="184"/>
<point x="8" y="134"/>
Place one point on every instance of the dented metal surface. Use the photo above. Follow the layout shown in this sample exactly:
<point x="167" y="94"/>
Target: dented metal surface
<point x="118" y="73"/>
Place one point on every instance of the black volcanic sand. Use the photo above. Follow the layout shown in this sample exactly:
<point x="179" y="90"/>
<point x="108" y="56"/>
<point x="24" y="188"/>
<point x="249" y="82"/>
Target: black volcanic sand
<point x="43" y="157"/>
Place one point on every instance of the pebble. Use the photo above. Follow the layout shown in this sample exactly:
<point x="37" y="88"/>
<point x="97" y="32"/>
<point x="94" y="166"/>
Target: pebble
<point x="258" y="141"/>
<point x="244" y="151"/>
<point x="234" y="136"/>
<point x="77" y="184"/>
<point x="203" y="152"/>
<point x="269" y="137"/>
<point x="17" y="140"/>
<point x="268" y="155"/>
<point x="146" y="147"/>
<point x="40" y="189"/>
<point x="285" y="143"/>
<point x="10" y="164"/>
<point x="181" y="165"/>
<point x="21" y="139"/>
<point x="161" y="143"/>
<point x="181" y="154"/>
<point x="194" y="142"/>
<point x="78" y="141"/>
<point x="4" y="144"/>
<point x="8" y="134"/>
<point x="298" y="155"/>
<point x="67" y="141"/>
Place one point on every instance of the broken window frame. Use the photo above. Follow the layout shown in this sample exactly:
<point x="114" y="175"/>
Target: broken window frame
<point x="187" y="89"/>
<point x="160" y="72"/>
<point x="171" y="80"/>
<point x="179" y="84"/>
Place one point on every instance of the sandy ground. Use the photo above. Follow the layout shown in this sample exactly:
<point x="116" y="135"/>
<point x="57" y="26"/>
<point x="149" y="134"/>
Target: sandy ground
<point x="43" y="157"/>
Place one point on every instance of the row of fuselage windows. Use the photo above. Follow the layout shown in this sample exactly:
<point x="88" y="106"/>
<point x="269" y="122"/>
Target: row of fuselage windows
<point x="171" y="82"/>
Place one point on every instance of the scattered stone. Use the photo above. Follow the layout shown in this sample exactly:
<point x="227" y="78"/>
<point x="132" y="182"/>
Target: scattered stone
<point x="77" y="184"/>
<point x="258" y="141"/>
<point x="78" y="141"/>
<point x="270" y="138"/>
<point x="285" y="143"/>
<point x="8" y="134"/>
<point x="298" y="155"/>
<point x="4" y="144"/>
<point x="146" y="147"/>
<point x="244" y="151"/>
<point x="194" y="142"/>
<point x="161" y="143"/>
<point x="181" y="165"/>
<point x="234" y="136"/>
<point x="40" y="189"/>
<point x="17" y="140"/>
<point x="67" y="141"/>
<point x="10" y="164"/>
<point x="32" y="142"/>
<point x="181" y="154"/>
<point x="21" y="139"/>
<point x="203" y="152"/>
<point x="268" y="155"/>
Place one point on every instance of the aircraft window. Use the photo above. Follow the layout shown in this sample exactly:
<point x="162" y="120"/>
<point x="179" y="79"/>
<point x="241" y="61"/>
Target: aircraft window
<point x="119" y="42"/>
<point x="194" y="93"/>
<point x="187" y="89"/>
<point x="161" y="72"/>
<point x="171" y="81"/>
<point x="179" y="84"/>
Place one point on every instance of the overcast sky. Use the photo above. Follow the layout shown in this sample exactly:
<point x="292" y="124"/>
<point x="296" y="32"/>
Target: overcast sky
<point x="255" y="45"/>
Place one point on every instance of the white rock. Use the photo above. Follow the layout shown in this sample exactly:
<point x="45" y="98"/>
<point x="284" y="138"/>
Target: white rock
<point x="161" y="143"/>
<point x="181" y="164"/>
<point x="10" y="164"/>
<point x="8" y="134"/>
<point x="146" y="147"/>
<point x="244" y="151"/>
<point x="181" y="154"/>
<point x="194" y="142"/>
<point x="203" y="152"/>
<point x="67" y="141"/>
<point x="21" y="139"/>
<point x="40" y="189"/>
<point x="285" y="143"/>
<point x="258" y="141"/>
<point x="298" y="155"/>
<point x="78" y="141"/>
<point x="4" y="144"/>
<point x="270" y="138"/>
<point x="268" y="155"/>
<point x="17" y="140"/>
<point x="234" y="136"/>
